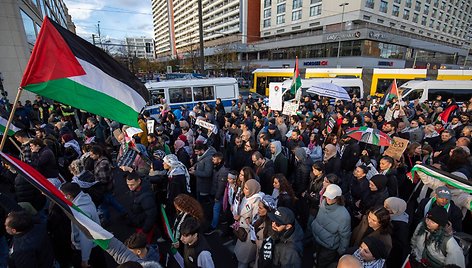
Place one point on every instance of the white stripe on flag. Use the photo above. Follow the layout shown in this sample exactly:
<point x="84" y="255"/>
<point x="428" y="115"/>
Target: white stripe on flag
<point x="98" y="80"/>
<point x="96" y="231"/>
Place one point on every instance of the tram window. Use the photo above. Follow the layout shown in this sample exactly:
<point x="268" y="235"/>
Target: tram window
<point x="353" y="91"/>
<point x="413" y="95"/>
<point x="156" y="96"/>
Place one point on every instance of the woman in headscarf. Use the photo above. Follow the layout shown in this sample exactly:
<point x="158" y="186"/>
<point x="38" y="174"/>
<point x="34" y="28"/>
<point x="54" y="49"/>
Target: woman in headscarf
<point x="181" y="153"/>
<point x="179" y="179"/>
<point x="301" y="176"/>
<point x="331" y="161"/>
<point x="400" y="230"/>
<point x="377" y="193"/>
<point x="245" y="251"/>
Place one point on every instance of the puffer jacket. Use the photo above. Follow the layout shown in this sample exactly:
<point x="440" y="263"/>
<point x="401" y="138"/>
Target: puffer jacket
<point x="204" y="171"/>
<point x="302" y="172"/>
<point x="332" y="227"/>
<point x="26" y="192"/>
<point x="452" y="254"/>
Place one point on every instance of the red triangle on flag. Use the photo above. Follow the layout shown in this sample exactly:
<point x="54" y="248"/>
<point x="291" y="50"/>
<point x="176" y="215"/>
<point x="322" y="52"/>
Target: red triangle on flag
<point x="51" y="58"/>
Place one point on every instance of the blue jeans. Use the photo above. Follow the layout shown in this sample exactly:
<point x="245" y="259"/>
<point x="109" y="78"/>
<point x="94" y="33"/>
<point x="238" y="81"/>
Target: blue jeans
<point x="110" y="201"/>
<point x="216" y="214"/>
<point x="3" y="252"/>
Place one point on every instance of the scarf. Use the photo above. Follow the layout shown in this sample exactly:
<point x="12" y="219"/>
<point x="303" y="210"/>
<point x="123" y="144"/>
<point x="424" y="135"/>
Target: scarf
<point x="371" y="264"/>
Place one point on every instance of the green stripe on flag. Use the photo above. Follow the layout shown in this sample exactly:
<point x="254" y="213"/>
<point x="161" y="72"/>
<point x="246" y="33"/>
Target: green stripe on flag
<point x="87" y="99"/>
<point x="12" y="130"/>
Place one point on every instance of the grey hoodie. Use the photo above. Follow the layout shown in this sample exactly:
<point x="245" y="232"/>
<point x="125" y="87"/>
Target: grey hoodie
<point x="79" y="239"/>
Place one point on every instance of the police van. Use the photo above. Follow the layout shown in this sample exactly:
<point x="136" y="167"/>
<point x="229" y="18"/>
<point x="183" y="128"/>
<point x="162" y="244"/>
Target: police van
<point x="459" y="90"/>
<point x="189" y="92"/>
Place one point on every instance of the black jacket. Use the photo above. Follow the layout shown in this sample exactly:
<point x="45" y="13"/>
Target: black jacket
<point x="350" y="156"/>
<point x="281" y="164"/>
<point x="143" y="212"/>
<point x="265" y="174"/>
<point x="219" y="180"/>
<point x="183" y="157"/>
<point x="400" y="244"/>
<point x="32" y="249"/>
<point x="373" y="199"/>
<point x="333" y="166"/>
<point x="45" y="162"/>
<point x="454" y="213"/>
<point x="359" y="190"/>
<point x="302" y="175"/>
<point x="26" y="192"/>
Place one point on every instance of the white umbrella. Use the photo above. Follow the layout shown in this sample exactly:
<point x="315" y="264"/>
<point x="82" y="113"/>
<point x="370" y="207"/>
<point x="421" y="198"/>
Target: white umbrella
<point x="329" y="90"/>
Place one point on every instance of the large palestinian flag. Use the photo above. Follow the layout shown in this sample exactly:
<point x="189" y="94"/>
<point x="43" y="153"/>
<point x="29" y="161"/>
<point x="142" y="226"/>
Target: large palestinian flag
<point x="90" y="228"/>
<point x="66" y="68"/>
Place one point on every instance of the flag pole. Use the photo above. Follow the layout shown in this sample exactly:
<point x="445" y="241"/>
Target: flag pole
<point x="10" y="119"/>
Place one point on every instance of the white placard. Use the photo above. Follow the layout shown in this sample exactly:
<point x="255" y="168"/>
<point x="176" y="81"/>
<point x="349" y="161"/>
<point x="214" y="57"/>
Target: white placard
<point x="290" y="108"/>
<point x="150" y="126"/>
<point x="131" y="131"/>
<point x="275" y="96"/>
<point x="206" y="125"/>
<point x="298" y="94"/>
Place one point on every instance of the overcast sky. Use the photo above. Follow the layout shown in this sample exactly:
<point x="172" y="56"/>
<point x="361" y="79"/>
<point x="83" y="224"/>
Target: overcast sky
<point x="118" y="18"/>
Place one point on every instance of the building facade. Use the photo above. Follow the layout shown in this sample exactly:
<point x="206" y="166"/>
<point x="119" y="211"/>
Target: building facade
<point x="20" y="21"/>
<point x="176" y="30"/>
<point x="140" y="47"/>
<point x="372" y="33"/>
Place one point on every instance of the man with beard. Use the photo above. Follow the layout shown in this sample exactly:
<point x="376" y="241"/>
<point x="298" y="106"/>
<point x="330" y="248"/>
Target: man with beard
<point x="441" y="152"/>
<point x="237" y="154"/>
<point x="464" y="120"/>
<point x="264" y="169"/>
<point x="287" y="238"/>
<point x="349" y="153"/>
<point x="203" y="170"/>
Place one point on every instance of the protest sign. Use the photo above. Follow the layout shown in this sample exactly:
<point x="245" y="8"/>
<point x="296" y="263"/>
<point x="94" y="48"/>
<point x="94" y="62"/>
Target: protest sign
<point x="206" y="125"/>
<point x="150" y="126"/>
<point x="397" y="148"/>
<point x="275" y="96"/>
<point x="290" y="108"/>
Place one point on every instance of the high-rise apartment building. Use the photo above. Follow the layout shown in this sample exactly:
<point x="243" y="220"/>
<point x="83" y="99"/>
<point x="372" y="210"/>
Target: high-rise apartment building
<point x="20" y="21"/>
<point x="224" y="21"/>
<point x="140" y="47"/>
<point x="372" y="33"/>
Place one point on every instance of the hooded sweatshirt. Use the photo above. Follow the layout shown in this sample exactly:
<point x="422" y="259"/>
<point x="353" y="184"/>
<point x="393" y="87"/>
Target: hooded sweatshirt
<point x="79" y="239"/>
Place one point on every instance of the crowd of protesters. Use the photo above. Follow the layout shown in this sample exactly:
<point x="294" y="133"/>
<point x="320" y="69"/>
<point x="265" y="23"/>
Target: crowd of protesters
<point x="281" y="186"/>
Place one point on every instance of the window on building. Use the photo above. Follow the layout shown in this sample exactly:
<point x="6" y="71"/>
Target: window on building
<point x="297" y="4"/>
<point x="266" y="23"/>
<point x="314" y="2"/>
<point x="395" y="11"/>
<point x="280" y="19"/>
<point x="267" y="13"/>
<point x="179" y="95"/>
<point x="315" y="10"/>
<point x="428" y="1"/>
<point x="423" y="20"/>
<point x="30" y="30"/>
<point x="443" y="5"/>
<point x="406" y="14"/>
<point x="369" y="3"/>
<point x="296" y="15"/>
<point x="434" y="13"/>
<point x="383" y="6"/>
<point x="415" y="17"/>
<point x="267" y="3"/>
<point x="408" y="3"/>
<point x="436" y="3"/>
<point x="418" y="6"/>
<point x="438" y="26"/>
<point x="431" y="23"/>
<point x="426" y="10"/>
<point x="441" y="15"/>
<point x="203" y="93"/>
<point x="397" y="1"/>
<point x="280" y="1"/>
<point x="281" y="9"/>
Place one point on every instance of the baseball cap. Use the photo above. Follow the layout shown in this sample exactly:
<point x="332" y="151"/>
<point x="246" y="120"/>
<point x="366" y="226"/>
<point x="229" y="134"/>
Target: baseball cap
<point x="282" y="216"/>
<point x="332" y="191"/>
<point x="443" y="192"/>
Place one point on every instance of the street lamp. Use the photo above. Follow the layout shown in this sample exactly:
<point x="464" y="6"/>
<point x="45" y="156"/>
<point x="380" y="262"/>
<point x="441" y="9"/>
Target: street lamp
<point x="342" y="29"/>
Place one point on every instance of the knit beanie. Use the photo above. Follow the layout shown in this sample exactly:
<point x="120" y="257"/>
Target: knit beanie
<point x="376" y="247"/>
<point x="380" y="181"/>
<point x="438" y="215"/>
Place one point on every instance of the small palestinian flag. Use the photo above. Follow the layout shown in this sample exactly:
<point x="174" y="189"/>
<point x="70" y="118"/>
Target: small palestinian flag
<point x="91" y="229"/>
<point x="392" y="92"/>
<point x="297" y="80"/>
<point x="445" y="116"/>
<point x="68" y="69"/>
<point x="11" y="130"/>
